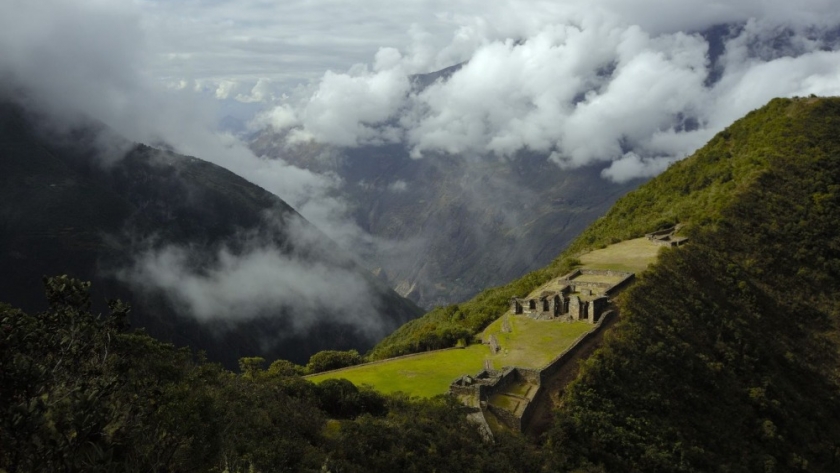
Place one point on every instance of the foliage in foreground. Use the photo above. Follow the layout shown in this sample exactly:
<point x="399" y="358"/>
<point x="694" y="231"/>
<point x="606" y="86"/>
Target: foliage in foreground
<point x="78" y="392"/>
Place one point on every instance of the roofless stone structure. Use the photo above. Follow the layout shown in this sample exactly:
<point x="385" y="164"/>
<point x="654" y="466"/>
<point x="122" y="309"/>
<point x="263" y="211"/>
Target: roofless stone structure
<point x="582" y="294"/>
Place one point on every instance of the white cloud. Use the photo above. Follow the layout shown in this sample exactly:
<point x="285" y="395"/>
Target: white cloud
<point x="280" y="118"/>
<point x="258" y="280"/>
<point x="631" y="165"/>
<point x="226" y="88"/>
<point x="343" y="108"/>
<point x="582" y="85"/>
<point x="398" y="186"/>
<point x="261" y="92"/>
<point x="80" y="59"/>
<point x="580" y="81"/>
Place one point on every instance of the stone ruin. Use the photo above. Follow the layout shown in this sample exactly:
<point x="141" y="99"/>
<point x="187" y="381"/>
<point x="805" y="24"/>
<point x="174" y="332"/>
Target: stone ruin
<point x="574" y="299"/>
<point x="509" y="393"/>
<point x="506" y="325"/>
<point x="667" y="237"/>
<point x="494" y="344"/>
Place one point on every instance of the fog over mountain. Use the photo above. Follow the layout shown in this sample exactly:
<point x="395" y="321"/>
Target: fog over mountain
<point x="584" y="87"/>
<point x="611" y="90"/>
<point x="574" y="93"/>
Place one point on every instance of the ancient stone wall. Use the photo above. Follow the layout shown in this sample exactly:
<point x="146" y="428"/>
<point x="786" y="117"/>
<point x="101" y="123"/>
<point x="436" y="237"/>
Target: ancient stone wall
<point x="578" y="285"/>
<point x="554" y="365"/>
<point x="509" y="419"/>
<point x="571" y="275"/>
<point x="621" y="284"/>
<point x="471" y="390"/>
<point x="486" y="384"/>
<point x="478" y="417"/>
<point x="663" y="232"/>
<point x="527" y="413"/>
<point x="529" y="374"/>
<point x="508" y="377"/>
<point x="604" y="272"/>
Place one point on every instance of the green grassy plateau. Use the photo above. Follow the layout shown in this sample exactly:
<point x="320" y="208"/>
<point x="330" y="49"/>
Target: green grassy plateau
<point x="530" y="344"/>
<point x="632" y="255"/>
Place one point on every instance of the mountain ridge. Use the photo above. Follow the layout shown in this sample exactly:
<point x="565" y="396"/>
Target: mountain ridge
<point x="727" y="352"/>
<point x="94" y="219"/>
<point x="676" y="196"/>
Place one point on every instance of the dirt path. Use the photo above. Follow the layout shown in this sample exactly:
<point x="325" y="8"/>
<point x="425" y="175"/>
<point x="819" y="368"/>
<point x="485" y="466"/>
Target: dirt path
<point x="548" y="398"/>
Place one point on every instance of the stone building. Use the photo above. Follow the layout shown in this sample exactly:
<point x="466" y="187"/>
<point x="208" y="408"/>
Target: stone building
<point x="666" y="237"/>
<point x="573" y="296"/>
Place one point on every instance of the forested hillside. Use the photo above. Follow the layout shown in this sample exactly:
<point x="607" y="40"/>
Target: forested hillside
<point x="727" y="357"/>
<point x="692" y="192"/>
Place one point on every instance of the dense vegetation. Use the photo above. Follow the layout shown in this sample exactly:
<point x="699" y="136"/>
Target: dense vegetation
<point x="692" y="192"/>
<point x="447" y="326"/>
<point x="727" y="357"/>
<point x="82" y="393"/>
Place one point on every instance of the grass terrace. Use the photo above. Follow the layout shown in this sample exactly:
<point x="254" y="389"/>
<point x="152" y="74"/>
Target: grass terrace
<point x="632" y="255"/>
<point x="530" y="344"/>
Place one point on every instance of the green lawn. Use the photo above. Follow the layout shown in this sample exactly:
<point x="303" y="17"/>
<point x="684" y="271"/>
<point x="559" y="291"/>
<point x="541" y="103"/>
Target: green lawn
<point x="631" y="255"/>
<point x="531" y="344"/>
<point x="423" y="375"/>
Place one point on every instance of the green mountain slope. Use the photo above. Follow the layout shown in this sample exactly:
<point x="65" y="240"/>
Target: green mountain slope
<point x="726" y="358"/>
<point x="692" y="192"/>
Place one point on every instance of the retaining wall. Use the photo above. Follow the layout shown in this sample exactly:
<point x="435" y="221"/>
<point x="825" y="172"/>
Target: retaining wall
<point x="604" y="272"/>
<point x="554" y="365"/>
<point x="506" y="417"/>
<point x="530" y="374"/>
<point x="571" y="275"/>
<point x="621" y="284"/>
<point x="528" y="412"/>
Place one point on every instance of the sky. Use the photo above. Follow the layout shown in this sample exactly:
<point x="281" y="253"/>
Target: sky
<point x="609" y="81"/>
<point x="628" y="85"/>
<point x="622" y="82"/>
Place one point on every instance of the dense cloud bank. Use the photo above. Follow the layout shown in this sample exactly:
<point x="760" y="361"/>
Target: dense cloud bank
<point x="73" y="61"/>
<point x="584" y="87"/>
<point x="632" y="84"/>
<point x="250" y="277"/>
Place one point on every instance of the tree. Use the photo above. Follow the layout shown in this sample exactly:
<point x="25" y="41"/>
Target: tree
<point x="57" y="373"/>
<point x="332" y="359"/>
